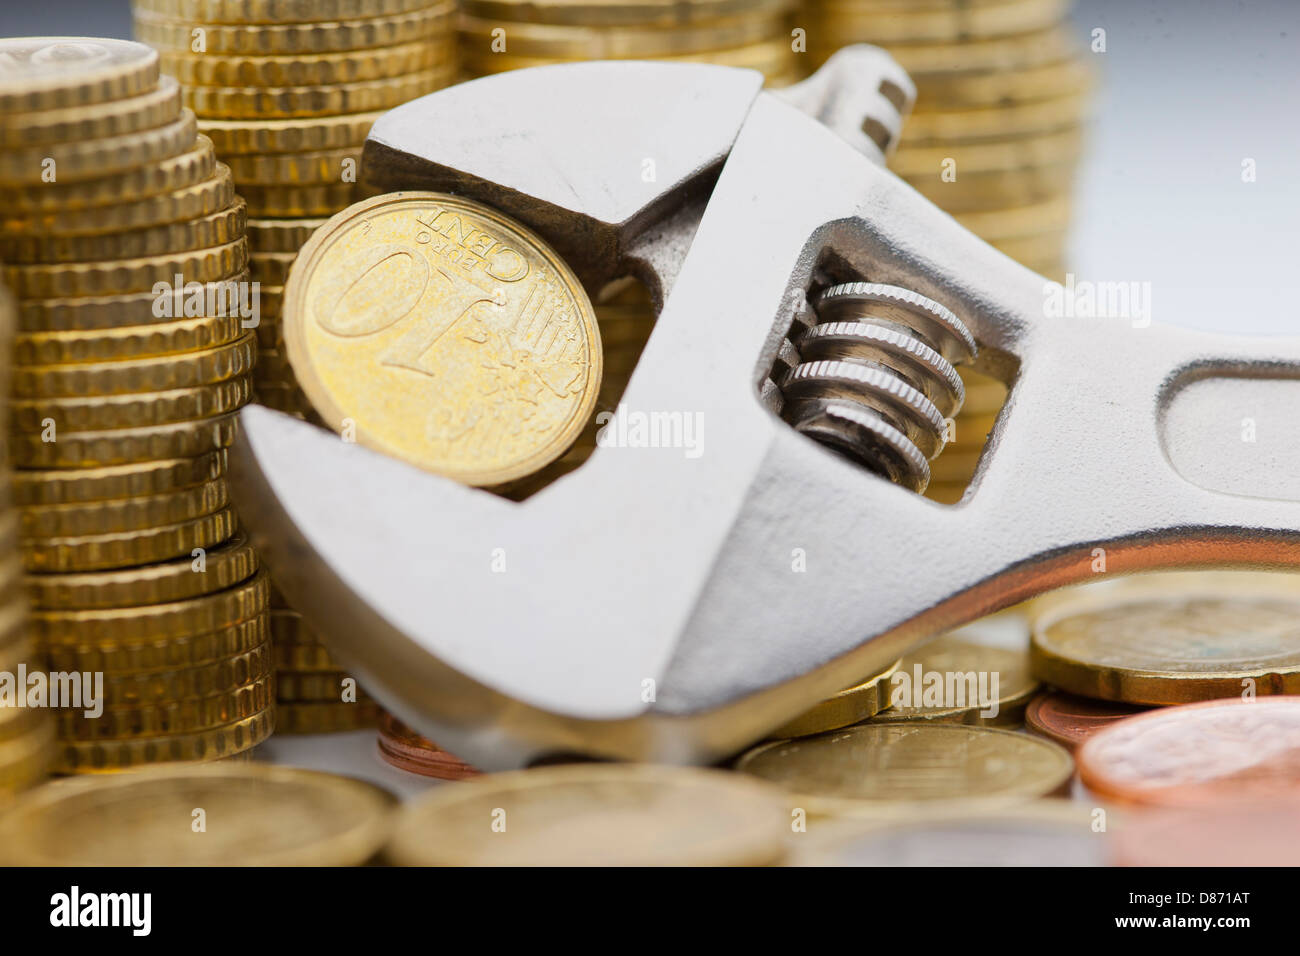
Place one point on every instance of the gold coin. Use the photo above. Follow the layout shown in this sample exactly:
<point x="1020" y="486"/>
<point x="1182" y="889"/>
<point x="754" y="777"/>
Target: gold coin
<point x="220" y="228"/>
<point x="288" y="38"/>
<point x="273" y="267"/>
<point x="279" y="235"/>
<point x="190" y="202"/>
<point x="314" y="717"/>
<point x="767" y="56"/>
<point x="884" y="766"/>
<point x="347" y="66"/>
<point x="177" y="337"/>
<point x="152" y="108"/>
<point x="1049" y="246"/>
<point x="128" y="514"/>
<point x="277" y="11"/>
<point x="595" y="815"/>
<point x="122" y="481"/>
<point x="1173" y="638"/>
<point x="127" y="275"/>
<point x="147" y="411"/>
<point x="99" y="552"/>
<point x="93" y="158"/>
<point x="636" y="13"/>
<point x="612" y="43"/>
<point x="1016" y="154"/>
<point x="954" y="681"/>
<point x="171" y="621"/>
<point x="999" y="224"/>
<point x="26" y="760"/>
<point x="99" y="313"/>
<point x="292" y="169"/>
<point x="286" y="102"/>
<point x="1063" y="77"/>
<point x="152" y="688"/>
<point x="84" y="756"/>
<point x="849" y="706"/>
<point x="954" y="62"/>
<point x="155" y="373"/>
<point x="298" y="201"/>
<point x="271" y="816"/>
<point x="220" y="568"/>
<point x="124" y="446"/>
<point x="957" y="24"/>
<point x="169" y="717"/>
<point x="994" y="123"/>
<point x="256" y="137"/>
<point x="303" y="657"/>
<point x="315" y="687"/>
<point x="159" y="653"/>
<point x="164" y="176"/>
<point x="995" y="189"/>
<point x="44" y="73"/>
<point x="481" y="287"/>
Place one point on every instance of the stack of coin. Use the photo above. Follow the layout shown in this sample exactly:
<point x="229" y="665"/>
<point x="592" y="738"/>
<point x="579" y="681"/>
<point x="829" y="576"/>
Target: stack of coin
<point x="287" y="90"/>
<point x="124" y="242"/>
<point x="951" y="471"/>
<point x="26" y="733"/>
<point x="500" y="35"/>
<point x="1002" y="93"/>
<point x="1119" y="646"/>
<point x="314" y="694"/>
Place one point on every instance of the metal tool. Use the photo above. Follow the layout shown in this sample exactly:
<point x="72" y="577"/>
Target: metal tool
<point x="656" y="605"/>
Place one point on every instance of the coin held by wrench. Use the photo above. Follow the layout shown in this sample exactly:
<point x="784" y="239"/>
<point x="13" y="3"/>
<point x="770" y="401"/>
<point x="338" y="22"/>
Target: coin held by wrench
<point x="437" y="330"/>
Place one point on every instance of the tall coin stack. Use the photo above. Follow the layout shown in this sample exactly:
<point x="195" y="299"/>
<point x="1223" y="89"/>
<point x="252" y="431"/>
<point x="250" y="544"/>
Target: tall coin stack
<point x="26" y="733"/>
<point x="287" y="90"/>
<point x="501" y="35"/>
<point x="994" y="139"/>
<point x="124" y="242"/>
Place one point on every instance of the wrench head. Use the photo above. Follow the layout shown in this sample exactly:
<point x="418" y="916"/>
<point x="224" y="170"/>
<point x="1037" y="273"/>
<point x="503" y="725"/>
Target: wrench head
<point x="676" y="603"/>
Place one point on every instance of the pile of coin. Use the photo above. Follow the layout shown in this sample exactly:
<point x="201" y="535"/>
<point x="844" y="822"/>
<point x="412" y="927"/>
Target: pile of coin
<point x="500" y="35"/>
<point x="124" y="242"/>
<point x="314" y="694"/>
<point x="26" y="733"/>
<point x="287" y="90"/>
<point x="1120" y="646"/>
<point x="1002" y="92"/>
<point x="952" y="470"/>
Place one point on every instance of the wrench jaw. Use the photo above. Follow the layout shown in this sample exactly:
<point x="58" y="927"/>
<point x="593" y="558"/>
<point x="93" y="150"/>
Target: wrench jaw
<point x="590" y="180"/>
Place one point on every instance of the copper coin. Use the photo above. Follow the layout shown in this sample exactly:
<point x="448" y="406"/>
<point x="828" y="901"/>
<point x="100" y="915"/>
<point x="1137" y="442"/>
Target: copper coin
<point x="1230" y="834"/>
<point x="1070" y="720"/>
<point x="1197" y="754"/>
<point x="405" y="749"/>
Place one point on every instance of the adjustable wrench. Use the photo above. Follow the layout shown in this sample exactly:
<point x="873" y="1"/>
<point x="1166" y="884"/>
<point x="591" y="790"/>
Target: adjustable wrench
<point x="657" y="606"/>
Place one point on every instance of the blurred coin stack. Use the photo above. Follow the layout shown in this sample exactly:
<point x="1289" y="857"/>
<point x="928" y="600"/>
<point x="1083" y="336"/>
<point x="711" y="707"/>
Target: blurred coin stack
<point x="501" y="35"/>
<point x="287" y="90"/>
<point x="314" y="694"/>
<point x="124" y="243"/>
<point x="994" y="138"/>
<point x="26" y="733"/>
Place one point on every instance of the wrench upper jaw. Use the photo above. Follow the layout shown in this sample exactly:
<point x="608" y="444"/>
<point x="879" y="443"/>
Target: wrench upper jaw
<point x="650" y="138"/>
